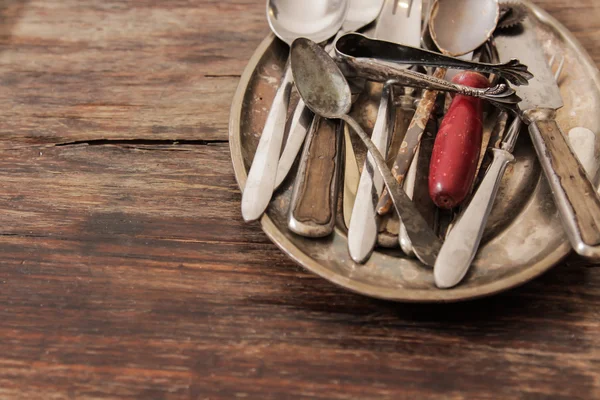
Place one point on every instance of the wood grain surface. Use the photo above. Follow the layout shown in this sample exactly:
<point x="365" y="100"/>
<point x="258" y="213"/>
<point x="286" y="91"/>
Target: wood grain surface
<point x="128" y="273"/>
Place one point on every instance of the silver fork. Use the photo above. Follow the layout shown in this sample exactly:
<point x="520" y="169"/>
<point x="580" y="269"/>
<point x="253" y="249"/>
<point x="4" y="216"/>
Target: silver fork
<point x="461" y="244"/>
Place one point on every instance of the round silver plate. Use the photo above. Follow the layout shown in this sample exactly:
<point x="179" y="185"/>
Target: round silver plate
<point x="524" y="237"/>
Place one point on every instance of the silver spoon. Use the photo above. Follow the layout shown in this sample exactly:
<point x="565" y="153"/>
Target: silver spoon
<point x="326" y="92"/>
<point x="289" y="19"/>
<point x="314" y="200"/>
<point x="360" y="14"/>
<point x="458" y="27"/>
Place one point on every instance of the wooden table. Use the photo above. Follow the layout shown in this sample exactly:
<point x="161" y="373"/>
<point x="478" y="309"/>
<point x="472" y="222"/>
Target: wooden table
<point x="127" y="271"/>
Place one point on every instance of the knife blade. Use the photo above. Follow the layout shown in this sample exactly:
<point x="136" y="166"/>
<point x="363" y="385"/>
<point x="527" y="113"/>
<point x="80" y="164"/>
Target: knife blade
<point x="575" y="196"/>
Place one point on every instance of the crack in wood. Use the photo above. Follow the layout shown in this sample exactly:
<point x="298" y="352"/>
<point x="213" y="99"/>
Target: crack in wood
<point x="222" y="76"/>
<point x="142" y="142"/>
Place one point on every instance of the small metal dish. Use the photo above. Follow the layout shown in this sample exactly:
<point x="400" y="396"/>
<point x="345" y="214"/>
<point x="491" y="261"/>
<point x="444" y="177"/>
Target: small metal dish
<point x="524" y="237"/>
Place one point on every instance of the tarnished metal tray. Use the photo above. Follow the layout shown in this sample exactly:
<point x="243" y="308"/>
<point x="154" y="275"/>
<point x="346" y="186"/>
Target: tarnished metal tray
<point x="524" y="237"/>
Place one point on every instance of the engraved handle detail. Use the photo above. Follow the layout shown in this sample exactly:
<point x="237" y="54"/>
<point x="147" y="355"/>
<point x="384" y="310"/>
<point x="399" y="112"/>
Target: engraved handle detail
<point x="315" y="192"/>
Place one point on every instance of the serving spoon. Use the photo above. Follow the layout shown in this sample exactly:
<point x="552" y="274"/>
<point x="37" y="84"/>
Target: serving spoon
<point x="326" y="92"/>
<point x="289" y="19"/>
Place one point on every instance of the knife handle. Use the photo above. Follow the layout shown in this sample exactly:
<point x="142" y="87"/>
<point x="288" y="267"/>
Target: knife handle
<point x="314" y="199"/>
<point x="301" y="120"/>
<point x="575" y="196"/>
<point x="457" y="146"/>
<point x="263" y="171"/>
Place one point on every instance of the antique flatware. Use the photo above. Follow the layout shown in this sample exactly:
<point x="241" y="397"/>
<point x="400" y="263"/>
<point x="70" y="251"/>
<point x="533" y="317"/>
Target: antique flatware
<point x="327" y="93"/>
<point x="359" y="55"/>
<point x="288" y="19"/>
<point x="457" y="25"/>
<point x="362" y="232"/>
<point x="442" y="22"/>
<point x="314" y="200"/>
<point x="400" y="22"/>
<point x="461" y="244"/>
<point x="360" y="13"/>
<point x="575" y="196"/>
<point x="524" y="237"/>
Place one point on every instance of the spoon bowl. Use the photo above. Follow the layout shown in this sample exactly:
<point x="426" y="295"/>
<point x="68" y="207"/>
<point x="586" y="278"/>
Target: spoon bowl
<point x="457" y="30"/>
<point x="319" y="81"/>
<point x="317" y="20"/>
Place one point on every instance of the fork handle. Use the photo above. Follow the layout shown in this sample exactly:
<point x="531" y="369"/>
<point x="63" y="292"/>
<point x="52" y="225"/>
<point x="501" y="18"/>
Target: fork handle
<point x="575" y="196"/>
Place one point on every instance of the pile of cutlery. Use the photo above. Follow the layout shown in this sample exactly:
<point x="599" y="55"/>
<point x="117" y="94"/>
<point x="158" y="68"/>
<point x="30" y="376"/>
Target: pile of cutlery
<point x="428" y="183"/>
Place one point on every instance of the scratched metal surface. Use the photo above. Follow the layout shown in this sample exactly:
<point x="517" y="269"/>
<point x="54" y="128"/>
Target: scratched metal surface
<point x="524" y="237"/>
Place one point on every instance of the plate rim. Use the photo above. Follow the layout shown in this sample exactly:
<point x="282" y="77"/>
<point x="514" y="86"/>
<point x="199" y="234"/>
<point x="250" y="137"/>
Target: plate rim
<point x="456" y="294"/>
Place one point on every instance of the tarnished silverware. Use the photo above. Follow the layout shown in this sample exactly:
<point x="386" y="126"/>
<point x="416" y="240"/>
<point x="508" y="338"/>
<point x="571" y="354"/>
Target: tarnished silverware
<point x="415" y="184"/>
<point x="359" y="55"/>
<point x="362" y="232"/>
<point x="461" y="244"/>
<point x="389" y="224"/>
<point x="524" y="237"/>
<point x="314" y="200"/>
<point x="289" y="20"/>
<point x="360" y="13"/>
<point x="407" y="150"/>
<point x="402" y="24"/>
<point x="327" y="93"/>
<point x="575" y="196"/>
<point x="442" y="23"/>
<point x="459" y="24"/>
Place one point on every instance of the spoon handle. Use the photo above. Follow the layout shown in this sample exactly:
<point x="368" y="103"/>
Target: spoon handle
<point x="261" y="177"/>
<point x="426" y="244"/>
<point x="362" y="232"/>
<point x="314" y="200"/>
